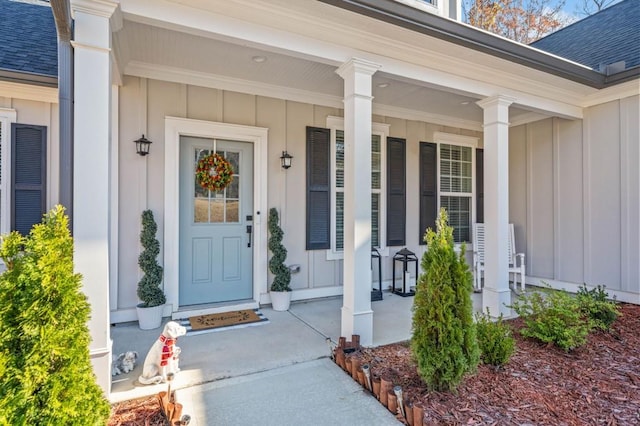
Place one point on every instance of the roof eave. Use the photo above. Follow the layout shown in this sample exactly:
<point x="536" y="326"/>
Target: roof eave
<point x="455" y="32"/>
<point x="622" y="76"/>
<point x="28" y="78"/>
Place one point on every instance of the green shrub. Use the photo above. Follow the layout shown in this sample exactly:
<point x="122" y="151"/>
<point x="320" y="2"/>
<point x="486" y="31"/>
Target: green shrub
<point x="46" y="377"/>
<point x="595" y="305"/>
<point x="149" y="290"/>
<point x="444" y="342"/>
<point x="553" y="317"/>
<point x="282" y="274"/>
<point x="494" y="339"/>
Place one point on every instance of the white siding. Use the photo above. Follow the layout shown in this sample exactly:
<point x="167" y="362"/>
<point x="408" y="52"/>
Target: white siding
<point x="574" y="196"/>
<point x="540" y="260"/>
<point x="568" y="188"/>
<point x="602" y="194"/>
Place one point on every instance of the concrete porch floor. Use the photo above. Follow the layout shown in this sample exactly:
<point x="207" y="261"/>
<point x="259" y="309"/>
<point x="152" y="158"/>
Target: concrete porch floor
<point x="279" y="348"/>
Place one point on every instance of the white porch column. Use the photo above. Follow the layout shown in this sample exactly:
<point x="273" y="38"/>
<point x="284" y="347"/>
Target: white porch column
<point x="496" y="294"/>
<point x="357" y="316"/>
<point x="92" y="125"/>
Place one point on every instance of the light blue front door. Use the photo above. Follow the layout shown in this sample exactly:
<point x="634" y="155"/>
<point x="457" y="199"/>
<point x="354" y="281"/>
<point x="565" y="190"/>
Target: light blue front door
<point x="216" y="247"/>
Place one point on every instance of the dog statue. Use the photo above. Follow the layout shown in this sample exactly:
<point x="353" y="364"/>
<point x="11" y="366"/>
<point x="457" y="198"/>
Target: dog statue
<point x="124" y="363"/>
<point x="162" y="358"/>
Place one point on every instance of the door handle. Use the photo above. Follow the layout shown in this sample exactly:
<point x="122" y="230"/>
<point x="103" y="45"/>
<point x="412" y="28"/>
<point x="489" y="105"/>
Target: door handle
<point x="250" y="232"/>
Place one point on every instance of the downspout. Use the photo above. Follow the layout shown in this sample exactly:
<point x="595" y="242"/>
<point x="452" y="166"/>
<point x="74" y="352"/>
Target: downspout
<point x="64" y="26"/>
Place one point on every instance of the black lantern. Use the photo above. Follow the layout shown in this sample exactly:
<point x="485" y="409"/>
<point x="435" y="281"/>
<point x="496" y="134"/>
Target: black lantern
<point x="285" y="160"/>
<point x="142" y="146"/>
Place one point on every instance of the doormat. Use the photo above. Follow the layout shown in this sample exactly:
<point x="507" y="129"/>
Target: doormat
<point x="224" y="321"/>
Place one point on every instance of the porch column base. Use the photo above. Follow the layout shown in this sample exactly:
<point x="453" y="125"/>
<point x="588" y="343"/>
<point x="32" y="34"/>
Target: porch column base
<point x="496" y="301"/>
<point x="360" y="323"/>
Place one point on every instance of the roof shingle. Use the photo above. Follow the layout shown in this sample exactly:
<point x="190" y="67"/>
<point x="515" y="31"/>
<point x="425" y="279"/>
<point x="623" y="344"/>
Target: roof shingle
<point x="28" y="40"/>
<point x="609" y="36"/>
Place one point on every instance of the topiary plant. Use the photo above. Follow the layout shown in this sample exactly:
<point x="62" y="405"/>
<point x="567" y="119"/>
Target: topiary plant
<point x="46" y="377"/>
<point x="444" y="342"/>
<point x="149" y="290"/>
<point x="282" y="274"/>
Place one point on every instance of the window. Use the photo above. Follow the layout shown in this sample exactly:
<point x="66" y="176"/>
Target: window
<point x="378" y="138"/>
<point x="456" y="188"/>
<point x="447" y="179"/>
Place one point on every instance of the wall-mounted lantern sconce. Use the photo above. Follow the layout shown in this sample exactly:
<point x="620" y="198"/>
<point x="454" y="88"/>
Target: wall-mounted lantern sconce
<point x="142" y="146"/>
<point x="285" y="160"/>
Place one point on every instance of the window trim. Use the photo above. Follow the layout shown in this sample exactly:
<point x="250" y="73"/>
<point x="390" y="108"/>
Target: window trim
<point x="8" y="116"/>
<point x="440" y="138"/>
<point x="381" y="129"/>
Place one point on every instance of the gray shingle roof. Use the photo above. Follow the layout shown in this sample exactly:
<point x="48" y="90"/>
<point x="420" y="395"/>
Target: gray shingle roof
<point x="28" y="40"/>
<point x="604" y="38"/>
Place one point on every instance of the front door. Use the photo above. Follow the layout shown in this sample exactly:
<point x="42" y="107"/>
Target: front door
<point x="216" y="247"/>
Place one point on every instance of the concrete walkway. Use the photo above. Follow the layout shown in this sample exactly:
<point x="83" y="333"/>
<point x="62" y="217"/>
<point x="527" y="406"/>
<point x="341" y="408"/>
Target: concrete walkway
<point x="274" y="373"/>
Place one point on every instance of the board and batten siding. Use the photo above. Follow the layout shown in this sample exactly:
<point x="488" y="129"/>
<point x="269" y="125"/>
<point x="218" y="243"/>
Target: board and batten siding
<point x="143" y="106"/>
<point x="574" y="196"/>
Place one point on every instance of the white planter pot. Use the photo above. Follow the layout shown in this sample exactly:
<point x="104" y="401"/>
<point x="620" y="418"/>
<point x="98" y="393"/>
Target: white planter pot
<point x="280" y="300"/>
<point x="149" y="318"/>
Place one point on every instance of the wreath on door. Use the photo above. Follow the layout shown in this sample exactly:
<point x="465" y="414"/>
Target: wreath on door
<point x="214" y="172"/>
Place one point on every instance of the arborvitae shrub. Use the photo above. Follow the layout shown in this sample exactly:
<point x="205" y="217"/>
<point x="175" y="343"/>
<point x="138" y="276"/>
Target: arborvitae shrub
<point x="595" y="304"/>
<point x="280" y="271"/>
<point x="149" y="290"/>
<point x="444" y="342"/>
<point x="553" y="317"/>
<point x="494" y="339"/>
<point x="46" y="377"/>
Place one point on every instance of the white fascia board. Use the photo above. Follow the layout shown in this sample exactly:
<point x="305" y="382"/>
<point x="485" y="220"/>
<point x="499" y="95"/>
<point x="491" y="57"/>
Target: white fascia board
<point x="29" y="92"/>
<point x="619" y="91"/>
<point x="395" y="56"/>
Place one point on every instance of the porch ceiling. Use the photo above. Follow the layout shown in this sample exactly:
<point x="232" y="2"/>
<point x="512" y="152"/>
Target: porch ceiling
<point x="224" y="60"/>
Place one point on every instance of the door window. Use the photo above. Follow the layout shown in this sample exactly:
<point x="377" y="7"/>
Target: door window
<point x="217" y="206"/>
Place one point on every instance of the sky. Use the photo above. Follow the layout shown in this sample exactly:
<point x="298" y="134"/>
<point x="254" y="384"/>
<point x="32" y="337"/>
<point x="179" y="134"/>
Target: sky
<point x="573" y="8"/>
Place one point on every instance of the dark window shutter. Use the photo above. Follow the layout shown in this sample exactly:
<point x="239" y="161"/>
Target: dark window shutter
<point x="396" y="192"/>
<point x="318" y="190"/>
<point x="480" y="185"/>
<point x="28" y="177"/>
<point x="428" y="187"/>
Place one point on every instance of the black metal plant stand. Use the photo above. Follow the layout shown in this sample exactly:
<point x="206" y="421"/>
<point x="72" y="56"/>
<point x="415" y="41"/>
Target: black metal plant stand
<point x="377" y="294"/>
<point x="405" y="257"/>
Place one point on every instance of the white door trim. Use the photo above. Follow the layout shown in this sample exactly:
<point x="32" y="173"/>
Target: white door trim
<point x="176" y="127"/>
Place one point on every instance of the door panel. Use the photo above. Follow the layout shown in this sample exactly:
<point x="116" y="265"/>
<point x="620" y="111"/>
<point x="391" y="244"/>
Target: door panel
<point x="216" y="258"/>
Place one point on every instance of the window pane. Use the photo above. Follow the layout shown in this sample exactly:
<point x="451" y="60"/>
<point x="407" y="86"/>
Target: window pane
<point x="339" y="159"/>
<point x="375" y="220"/>
<point x="232" y="211"/>
<point x="233" y="188"/>
<point x="459" y="212"/>
<point x="339" y="221"/>
<point x="217" y="210"/>
<point x="375" y="180"/>
<point x="375" y="143"/>
<point x="234" y="159"/>
<point x="455" y="168"/>
<point x="465" y="185"/>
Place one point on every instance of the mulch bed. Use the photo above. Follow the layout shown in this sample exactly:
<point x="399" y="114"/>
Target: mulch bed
<point x="138" y="412"/>
<point x="597" y="384"/>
